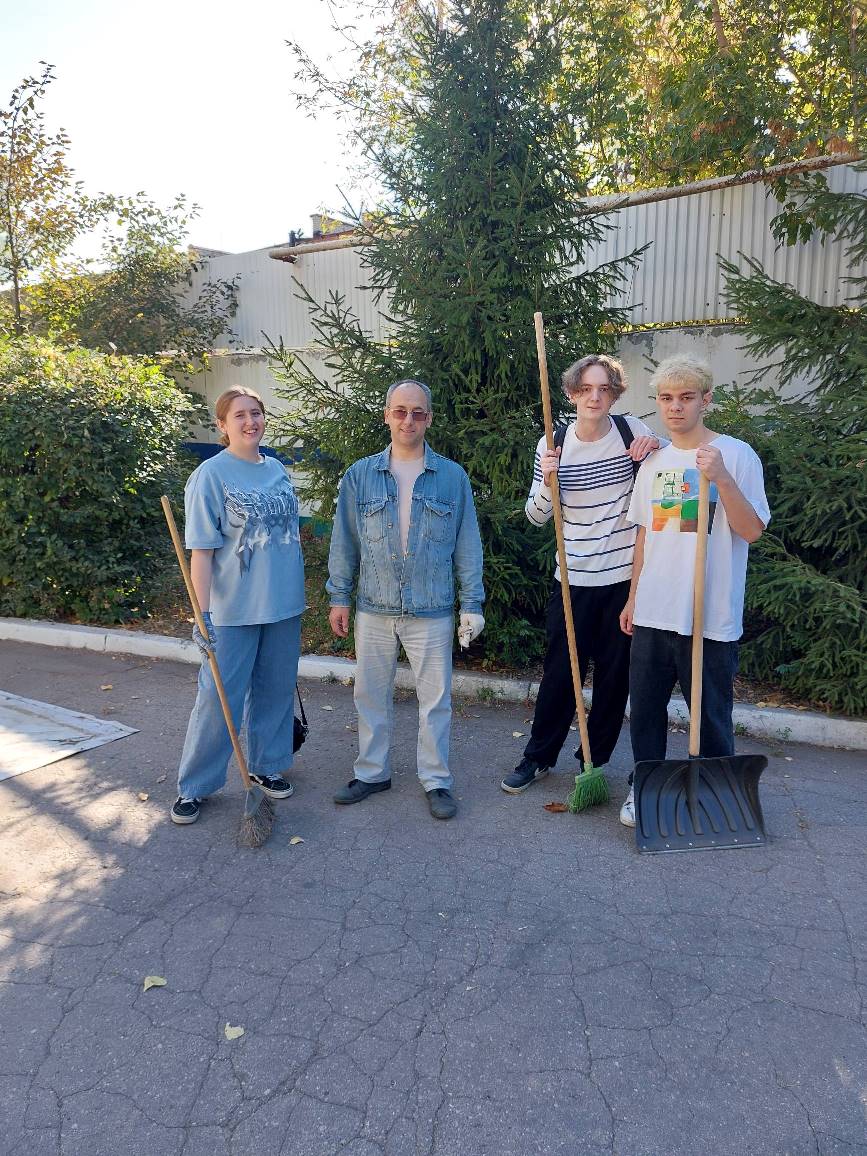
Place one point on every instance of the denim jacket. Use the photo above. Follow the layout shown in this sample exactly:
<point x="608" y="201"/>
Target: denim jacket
<point x="443" y="542"/>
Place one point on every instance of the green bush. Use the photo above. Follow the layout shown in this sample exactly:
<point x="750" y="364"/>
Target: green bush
<point x="88" y="442"/>
<point x="806" y="597"/>
<point x="806" y="615"/>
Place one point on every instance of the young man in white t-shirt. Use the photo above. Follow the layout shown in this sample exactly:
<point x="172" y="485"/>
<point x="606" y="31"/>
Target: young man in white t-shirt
<point x="658" y="612"/>
<point x="595" y="474"/>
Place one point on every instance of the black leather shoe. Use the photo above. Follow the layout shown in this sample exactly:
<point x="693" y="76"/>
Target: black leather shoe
<point x="356" y="790"/>
<point x="441" y="803"/>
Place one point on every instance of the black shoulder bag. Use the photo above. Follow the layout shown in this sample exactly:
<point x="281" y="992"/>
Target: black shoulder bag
<point x="623" y="428"/>
<point x="302" y="727"/>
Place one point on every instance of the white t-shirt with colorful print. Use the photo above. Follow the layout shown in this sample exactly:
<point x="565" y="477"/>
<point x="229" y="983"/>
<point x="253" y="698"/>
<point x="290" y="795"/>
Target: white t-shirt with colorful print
<point x="247" y="513"/>
<point x="665" y="502"/>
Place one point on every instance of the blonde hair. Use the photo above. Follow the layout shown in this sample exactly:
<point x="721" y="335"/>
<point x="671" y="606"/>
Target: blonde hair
<point x="224" y="403"/>
<point x="682" y="369"/>
<point x="616" y="376"/>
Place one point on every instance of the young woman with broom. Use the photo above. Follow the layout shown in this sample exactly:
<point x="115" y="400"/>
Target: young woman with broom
<point x="248" y="576"/>
<point x="594" y="468"/>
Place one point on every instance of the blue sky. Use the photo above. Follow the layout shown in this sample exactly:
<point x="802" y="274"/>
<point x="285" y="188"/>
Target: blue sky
<point x="187" y="97"/>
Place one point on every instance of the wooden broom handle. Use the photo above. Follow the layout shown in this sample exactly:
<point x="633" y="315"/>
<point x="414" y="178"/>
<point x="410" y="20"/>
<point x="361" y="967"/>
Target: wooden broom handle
<point x="698" y="616"/>
<point x="212" y="658"/>
<point x="561" y="544"/>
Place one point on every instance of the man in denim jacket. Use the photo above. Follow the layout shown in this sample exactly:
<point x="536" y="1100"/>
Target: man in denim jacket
<point x="404" y="528"/>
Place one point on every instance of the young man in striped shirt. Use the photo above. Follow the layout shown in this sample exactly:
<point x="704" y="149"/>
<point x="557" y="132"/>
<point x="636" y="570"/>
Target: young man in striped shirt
<point x="595" y="472"/>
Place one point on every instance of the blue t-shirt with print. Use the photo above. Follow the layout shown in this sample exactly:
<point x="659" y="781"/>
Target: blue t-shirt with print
<point x="247" y="513"/>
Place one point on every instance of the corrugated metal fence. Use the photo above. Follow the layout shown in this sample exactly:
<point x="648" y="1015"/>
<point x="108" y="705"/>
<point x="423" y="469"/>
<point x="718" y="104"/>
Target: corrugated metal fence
<point x="679" y="279"/>
<point x="677" y="282"/>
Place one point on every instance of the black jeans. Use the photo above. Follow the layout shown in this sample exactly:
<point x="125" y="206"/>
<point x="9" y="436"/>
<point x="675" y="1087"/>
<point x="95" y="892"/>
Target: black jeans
<point x="596" y="612"/>
<point x="659" y="659"/>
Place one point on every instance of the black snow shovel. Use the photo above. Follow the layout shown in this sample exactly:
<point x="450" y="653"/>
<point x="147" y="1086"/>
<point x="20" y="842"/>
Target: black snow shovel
<point x="698" y="804"/>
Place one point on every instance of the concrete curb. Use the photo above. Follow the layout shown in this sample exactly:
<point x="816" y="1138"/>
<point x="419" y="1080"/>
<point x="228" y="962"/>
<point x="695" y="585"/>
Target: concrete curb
<point x="774" y="724"/>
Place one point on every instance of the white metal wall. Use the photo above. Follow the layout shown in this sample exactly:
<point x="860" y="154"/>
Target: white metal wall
<point x="268" y="302"/>
<point x="679" y="280"/>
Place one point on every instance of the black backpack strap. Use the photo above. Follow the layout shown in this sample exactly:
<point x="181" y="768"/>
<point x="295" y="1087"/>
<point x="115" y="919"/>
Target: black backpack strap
<point x="301" y="704"/>
<point x="560" y="431"/>
<point x="625" y="431"/>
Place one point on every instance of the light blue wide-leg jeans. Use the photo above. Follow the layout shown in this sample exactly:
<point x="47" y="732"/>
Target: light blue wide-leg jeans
<point x="428" y="646"/>
<point x="259" y="666"/>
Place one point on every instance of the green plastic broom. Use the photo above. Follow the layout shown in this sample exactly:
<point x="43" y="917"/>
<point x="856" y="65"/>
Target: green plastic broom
<point x="590" y="786"/>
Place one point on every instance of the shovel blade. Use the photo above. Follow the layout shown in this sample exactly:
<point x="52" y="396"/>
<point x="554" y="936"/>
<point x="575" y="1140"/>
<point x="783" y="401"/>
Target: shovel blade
<point x="699" y="804"/>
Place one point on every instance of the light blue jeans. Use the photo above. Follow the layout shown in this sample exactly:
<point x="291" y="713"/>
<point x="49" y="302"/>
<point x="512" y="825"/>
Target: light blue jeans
<point x="428" y="646"/>
<point x="258" y="666"/>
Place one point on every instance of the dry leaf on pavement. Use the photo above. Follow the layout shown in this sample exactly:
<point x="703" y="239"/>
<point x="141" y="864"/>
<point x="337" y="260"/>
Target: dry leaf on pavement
<point x="556" y="808"/>
<point x="107" y="686"/>
<point x="143" y="796"/>
<point x="153" y="981"/>
<point x="518" y="734"/>
<point x="232" y="1033"/>
<point x="295" y="840"/>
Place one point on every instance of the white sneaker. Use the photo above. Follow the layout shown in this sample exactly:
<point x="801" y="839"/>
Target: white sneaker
<point x="627" y="811"/>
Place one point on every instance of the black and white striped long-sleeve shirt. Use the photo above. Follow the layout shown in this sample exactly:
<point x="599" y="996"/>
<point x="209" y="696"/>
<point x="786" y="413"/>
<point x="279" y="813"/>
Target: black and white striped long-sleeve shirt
<point x="595" y="486"/>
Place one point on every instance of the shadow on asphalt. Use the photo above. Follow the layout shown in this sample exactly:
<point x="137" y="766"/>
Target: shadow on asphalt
<point x="513" y="982"/>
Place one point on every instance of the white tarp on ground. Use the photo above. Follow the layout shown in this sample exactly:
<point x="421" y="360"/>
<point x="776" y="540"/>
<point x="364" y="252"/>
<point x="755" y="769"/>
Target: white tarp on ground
<point x="34" y="734"/>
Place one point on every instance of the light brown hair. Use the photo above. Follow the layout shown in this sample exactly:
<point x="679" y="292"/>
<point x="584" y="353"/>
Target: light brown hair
<point x="616" y="375"/>
<point x="224" y="404"/>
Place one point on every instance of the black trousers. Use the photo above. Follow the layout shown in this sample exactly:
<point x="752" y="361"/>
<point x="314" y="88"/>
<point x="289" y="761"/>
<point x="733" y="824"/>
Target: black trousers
<point x="596" y="612"/>
<point x="659" y="659"/>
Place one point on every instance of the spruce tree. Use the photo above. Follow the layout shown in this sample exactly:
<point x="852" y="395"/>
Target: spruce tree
<point x="481" y="226"/>
<point x="807" y="611"/>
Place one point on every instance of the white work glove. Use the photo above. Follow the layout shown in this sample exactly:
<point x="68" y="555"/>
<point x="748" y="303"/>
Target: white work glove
<point x="471" y="627"/>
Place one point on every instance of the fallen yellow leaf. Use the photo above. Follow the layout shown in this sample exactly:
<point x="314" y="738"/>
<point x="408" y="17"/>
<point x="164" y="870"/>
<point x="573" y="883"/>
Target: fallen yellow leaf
<point x="143" y="796"/>
<point x="107" y="686"/>
<point x="295" y="840"/>
<point x="518" y="734"/>
<point x="153" y="981"/>
<point x="232" y="1033"/>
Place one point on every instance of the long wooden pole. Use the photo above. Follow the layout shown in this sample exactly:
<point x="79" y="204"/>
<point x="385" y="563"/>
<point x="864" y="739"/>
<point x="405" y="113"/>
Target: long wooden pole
<point x="212" y="658"/>
<point x="698" y="616"/>
<point x="561" y="545"/>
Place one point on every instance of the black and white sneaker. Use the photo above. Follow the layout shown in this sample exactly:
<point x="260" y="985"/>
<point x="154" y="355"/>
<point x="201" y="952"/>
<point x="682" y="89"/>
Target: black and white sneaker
<point x="524" y="775"/>
<point x="185" y="810"/>
<point x="274" y="786"/>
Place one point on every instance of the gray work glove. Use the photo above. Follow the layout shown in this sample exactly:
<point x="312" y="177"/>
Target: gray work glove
<point x="206" y="645"/>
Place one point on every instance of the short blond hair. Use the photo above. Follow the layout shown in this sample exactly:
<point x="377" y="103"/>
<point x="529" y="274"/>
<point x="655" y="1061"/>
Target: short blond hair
<point x="682" y="369"/>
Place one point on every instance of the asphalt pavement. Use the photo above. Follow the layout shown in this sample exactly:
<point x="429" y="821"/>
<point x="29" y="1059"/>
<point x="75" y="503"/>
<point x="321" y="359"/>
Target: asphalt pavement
<point x="509" y="983"/>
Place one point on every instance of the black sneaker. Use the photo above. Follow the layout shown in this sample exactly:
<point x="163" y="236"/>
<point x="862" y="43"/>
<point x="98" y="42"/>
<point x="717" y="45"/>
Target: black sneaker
<point x="274" y="786"/>
<point x="524" y="775"/>
<point x="185" y="810"/>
